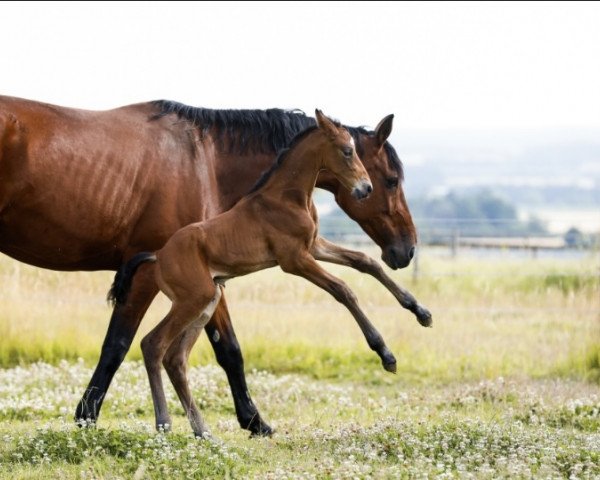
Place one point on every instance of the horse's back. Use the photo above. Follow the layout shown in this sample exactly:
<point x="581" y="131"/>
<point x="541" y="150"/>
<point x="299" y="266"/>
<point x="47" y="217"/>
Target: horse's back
<point x="74" y="183"/>
<point x="44" y="120"/>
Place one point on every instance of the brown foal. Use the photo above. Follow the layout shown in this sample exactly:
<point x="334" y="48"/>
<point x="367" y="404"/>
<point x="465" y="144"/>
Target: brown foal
<point x="276" y="224"/>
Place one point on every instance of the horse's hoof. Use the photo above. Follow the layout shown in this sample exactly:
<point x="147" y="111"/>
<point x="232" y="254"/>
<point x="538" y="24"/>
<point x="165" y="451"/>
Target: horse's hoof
<point x="86" y="413"/>
<point x="85" y="422"/>
<point x="263" y="433"/>
<point x="261" y="429"/>
<point x="424" y="317"/>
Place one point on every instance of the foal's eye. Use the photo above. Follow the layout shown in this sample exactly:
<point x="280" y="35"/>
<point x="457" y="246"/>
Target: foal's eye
<point x="391" y="182"/>
<point x="347" y="151"/>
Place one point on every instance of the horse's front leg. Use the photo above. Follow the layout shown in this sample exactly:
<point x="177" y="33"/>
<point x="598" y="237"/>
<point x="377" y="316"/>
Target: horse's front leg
<point x="304" y="265"/>
<point x="332" y="253"/>
<point x="123" y="326"/>
<point x="229" y="355"/>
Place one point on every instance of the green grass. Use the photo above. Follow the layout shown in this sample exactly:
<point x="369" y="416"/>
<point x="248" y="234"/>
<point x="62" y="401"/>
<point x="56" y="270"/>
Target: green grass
<point x="324" y="429"/>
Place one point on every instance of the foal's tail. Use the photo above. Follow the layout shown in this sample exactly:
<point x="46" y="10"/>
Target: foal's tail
<point x="117" y="295"/>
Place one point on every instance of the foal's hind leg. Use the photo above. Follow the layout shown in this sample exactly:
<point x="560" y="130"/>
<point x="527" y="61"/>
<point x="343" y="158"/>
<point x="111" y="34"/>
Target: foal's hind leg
<point x="155" y="345"/>
<point x="176" y="364"/>
<point x="229" y="355"/>
<point x="330" y="252"/>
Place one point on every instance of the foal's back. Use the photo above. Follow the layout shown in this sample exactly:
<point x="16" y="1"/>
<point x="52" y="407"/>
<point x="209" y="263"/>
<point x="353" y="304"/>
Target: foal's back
<point x="231" y="244"/>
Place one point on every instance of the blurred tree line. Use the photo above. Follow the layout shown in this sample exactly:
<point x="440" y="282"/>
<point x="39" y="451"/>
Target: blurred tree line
<point x="441" y="219"/>
<point x="480" y="213"/>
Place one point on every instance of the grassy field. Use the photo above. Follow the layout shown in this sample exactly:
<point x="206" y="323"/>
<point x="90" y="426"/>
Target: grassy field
<point x="506" y="384"/>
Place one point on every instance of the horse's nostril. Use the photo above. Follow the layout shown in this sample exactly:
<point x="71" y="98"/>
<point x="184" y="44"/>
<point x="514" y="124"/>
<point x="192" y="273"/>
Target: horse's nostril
<point x="369" y="188"/>
<point x="411" y="252"/>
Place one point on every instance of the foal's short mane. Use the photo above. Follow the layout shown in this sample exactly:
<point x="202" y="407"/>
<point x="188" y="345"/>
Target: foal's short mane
<point x="280" y="158"/>
<point x="264" y="131"/>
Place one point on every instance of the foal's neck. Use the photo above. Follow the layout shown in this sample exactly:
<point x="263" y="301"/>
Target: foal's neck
<point x="298" y="172"/>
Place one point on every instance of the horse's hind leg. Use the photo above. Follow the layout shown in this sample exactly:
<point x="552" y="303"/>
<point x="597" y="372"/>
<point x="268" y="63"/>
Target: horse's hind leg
<point x="123" y="326"/>
<point x="176" y="364"/>
<point x="229" y="355"/>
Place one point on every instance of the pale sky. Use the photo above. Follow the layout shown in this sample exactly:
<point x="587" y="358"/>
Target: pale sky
<point x="435" y="65"/>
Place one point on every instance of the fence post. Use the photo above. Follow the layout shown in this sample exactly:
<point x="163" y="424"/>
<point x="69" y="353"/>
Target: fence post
<point x="455" y="242"/>
<point x="415" y="272"/>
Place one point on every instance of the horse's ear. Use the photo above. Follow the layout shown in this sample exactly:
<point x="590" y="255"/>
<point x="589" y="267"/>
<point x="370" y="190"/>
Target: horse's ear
<point x="324" y="123"/>
<point x="384" y="128"/>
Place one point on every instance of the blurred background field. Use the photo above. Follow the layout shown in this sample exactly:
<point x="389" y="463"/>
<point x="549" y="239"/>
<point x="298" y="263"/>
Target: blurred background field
<point x="498" y="315"/>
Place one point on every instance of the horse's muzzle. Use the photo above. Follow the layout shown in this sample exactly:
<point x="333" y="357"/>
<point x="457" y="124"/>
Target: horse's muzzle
<point x="362" y="190"/>
<point x="397" y="257"/>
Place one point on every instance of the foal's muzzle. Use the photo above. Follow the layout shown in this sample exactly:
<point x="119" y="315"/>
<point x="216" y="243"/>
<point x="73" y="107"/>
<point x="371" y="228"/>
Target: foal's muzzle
<point x="362" y="190"/>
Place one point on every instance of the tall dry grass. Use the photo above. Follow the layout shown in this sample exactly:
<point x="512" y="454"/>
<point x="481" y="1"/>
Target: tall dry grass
<point x="494" y="316"/>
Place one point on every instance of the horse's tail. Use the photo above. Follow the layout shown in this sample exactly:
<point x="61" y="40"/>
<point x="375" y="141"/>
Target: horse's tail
<point x="117" y="295"/>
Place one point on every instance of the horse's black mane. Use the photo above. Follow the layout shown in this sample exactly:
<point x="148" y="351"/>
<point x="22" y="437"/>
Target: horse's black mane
<point x="240" y="131"/>
<point x="266" y="131"/>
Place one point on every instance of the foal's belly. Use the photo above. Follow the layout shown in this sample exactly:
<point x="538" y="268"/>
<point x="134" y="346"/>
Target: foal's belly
<point x="223" y="273"/>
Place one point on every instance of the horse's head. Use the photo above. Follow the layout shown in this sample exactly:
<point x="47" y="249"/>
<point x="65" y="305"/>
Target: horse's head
<point x="340" y="158"/>
<point x="384" y="216"/>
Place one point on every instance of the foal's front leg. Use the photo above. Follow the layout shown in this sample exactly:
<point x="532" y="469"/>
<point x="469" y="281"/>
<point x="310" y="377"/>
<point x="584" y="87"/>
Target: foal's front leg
<point x="332" y="253"/>
<point x="305" y="266"/>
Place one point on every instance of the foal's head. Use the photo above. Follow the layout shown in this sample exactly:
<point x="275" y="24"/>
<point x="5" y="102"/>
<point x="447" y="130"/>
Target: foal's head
<point x="339" y="157"/>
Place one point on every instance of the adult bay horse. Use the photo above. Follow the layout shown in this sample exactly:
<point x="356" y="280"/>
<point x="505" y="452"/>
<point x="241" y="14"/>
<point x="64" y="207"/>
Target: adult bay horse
<point x="86" y="190"/>
<point x="275" y="224"/>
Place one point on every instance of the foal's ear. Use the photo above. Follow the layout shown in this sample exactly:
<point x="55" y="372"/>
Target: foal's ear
<point x="384" y="128"/>
<point x="325" y="123"/>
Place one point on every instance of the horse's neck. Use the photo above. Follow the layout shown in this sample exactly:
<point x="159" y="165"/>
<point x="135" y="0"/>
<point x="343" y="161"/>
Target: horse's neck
<point x="236" y="174"/>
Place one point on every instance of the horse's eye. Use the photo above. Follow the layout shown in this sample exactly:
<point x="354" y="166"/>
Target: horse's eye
<point x="347" y="151"/>
<point x="391" y="182"/>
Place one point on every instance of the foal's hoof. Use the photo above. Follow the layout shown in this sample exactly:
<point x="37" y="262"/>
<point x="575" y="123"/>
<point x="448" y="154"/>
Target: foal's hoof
<point x="424" y="316"/>
<point x="164" y="427"/>
<point x="390" y="367"/>
<point x="388" y="361"/>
